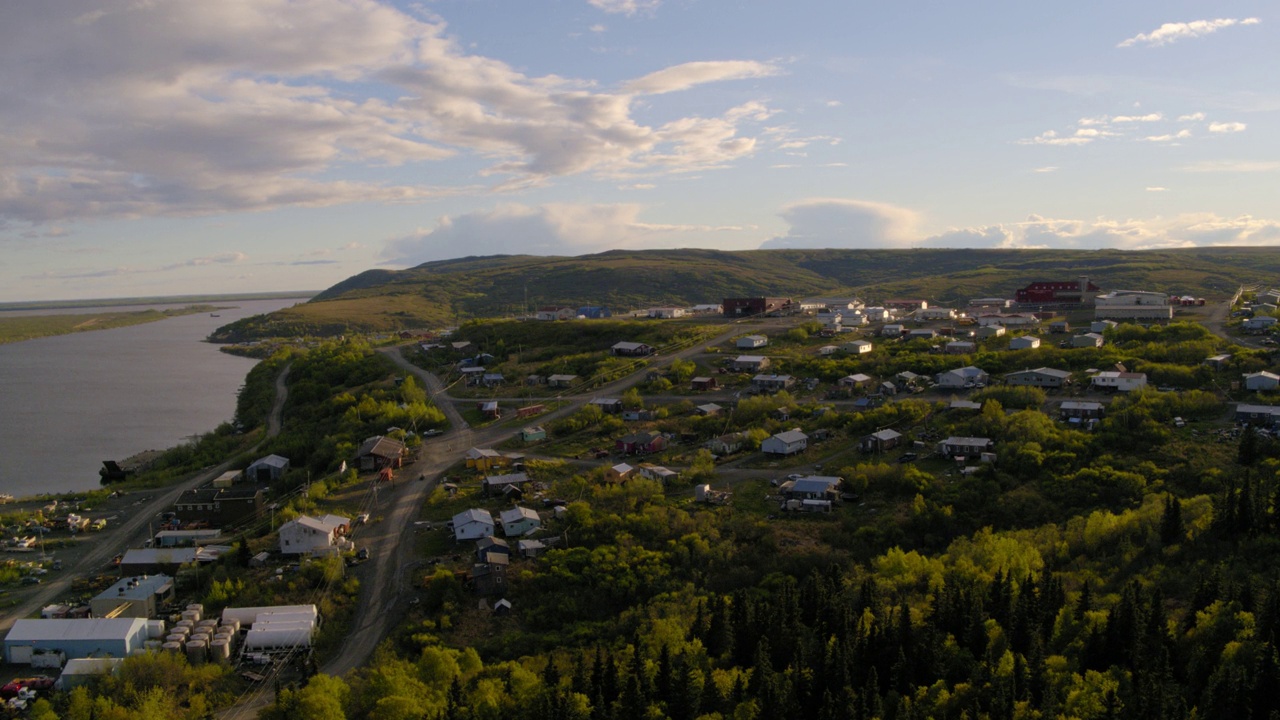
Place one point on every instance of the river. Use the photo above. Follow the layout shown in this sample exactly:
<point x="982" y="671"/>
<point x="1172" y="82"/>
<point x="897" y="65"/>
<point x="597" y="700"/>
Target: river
<point x="71" y="401"/>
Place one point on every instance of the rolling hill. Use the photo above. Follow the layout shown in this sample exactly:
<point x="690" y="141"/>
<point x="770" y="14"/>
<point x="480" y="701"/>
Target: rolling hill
<point x="447" y="292"/>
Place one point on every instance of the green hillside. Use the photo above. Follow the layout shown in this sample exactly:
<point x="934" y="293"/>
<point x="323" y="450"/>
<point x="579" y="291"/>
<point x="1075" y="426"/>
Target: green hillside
<point x="444" y="292"/>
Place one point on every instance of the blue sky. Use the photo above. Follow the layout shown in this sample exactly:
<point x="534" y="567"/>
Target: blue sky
<point x="152" y="147"/>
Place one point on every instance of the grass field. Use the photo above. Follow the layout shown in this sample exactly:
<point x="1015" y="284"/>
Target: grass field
<point x="30" y="327"/>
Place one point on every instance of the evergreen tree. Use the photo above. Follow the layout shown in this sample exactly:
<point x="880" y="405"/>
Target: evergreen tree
<point x="1171" y="530"/>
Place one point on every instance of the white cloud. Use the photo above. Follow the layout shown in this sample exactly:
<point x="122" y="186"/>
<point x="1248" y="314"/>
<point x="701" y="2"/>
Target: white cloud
<point x="1157" y="189"/>
<point x="552" y="229"/>
<point x="843" y="223"/>
<point x="1149" y="117"/>
<point x="175" y="108"/>
<point x="627" y="7"/>
<point x="598" y="28"/>
<point x="1051" y="137"/>
<point x="1233" y="166"/>
<point x="1193" y="117"/>
<point x="683" y="77"/>
<point x="1226" y="127"/>
<point x="1047" y="169"/>
<point x="1169" y="137"/>
<point x="1172" y="32"/>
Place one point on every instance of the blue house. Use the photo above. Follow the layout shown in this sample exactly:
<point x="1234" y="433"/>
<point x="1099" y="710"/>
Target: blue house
<point x="594" y="312"/>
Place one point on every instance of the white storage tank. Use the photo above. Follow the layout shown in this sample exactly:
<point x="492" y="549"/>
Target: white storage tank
<point x="155" y="629"/>
<point x="192" y="615"/>
<point x="232" y="623"/>
<point x="187" y="624"/>
<point x="152" y="645"/>
<point x="196" y="607"/>
<point x="174" y="647"/>
<point x="176" y="638"/>
<point x="208" y="622"/>
<point x="248" y="615"/>
<point x="278" y="638"/>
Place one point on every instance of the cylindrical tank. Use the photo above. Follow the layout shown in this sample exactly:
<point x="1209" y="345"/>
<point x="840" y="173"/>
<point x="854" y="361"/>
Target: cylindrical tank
<point x="192" y="615"/>
<point x="233" y="623"/>
<point x="176" y="638"/>
<point x="152" y="645"/>
<point x="224" y="635"/>
<point x="197" y="652"/>
<point x="208" y="622"/>
<point x="204" y="634"/>
<point x="275" y="638"/>
<point x="155" y="629"/>
<point x="188" y="624"/>
<point x="220" y="650"/>
<point x="174" y="647"/>
<point x="197" y="607"/>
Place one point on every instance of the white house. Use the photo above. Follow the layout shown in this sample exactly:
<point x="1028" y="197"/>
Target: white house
<point x="1121" y="381"/>
<point x="1026" y="342"/>
<point x="990" y="331"/>
<point x="666" y="313"/>
<point x="827" y="350"/>
<point x="518" y="521"/>
<point x="306" y="535"/>
<point x="857" y="347"/>
<point x="785" y="443"/>
<point x="968" y="447"/>
<point x="1101" y="326"/>
<point x="893" y="330"/>
<point x="1261" y="381"/>
<point x="1087" y="340"/>
<point x="1260" y="323"/>
<point x="472" y="524"/>
<point x="960" y="347"/>
<point x="936" y="313"/>
<point x="965" y="377"/>
<point x="752" y="341"/>
<point x="877" y="314"/>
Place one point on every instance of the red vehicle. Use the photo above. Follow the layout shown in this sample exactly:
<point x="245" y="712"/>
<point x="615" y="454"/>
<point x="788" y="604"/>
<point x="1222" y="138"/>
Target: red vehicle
<point x="39" y="683"/>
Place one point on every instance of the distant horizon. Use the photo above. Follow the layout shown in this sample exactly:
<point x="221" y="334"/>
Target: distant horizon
<point x="61" y="303"/>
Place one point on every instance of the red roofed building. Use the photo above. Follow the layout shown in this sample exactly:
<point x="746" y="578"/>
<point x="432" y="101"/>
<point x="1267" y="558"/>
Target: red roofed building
<point x="1038" y="293"/>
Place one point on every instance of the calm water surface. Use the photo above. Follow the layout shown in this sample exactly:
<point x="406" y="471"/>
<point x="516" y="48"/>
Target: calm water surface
<point x="69" y="402"/>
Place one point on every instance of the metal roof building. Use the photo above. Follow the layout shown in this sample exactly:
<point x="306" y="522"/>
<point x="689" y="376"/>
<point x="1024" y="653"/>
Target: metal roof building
<point x="79" y="638"/>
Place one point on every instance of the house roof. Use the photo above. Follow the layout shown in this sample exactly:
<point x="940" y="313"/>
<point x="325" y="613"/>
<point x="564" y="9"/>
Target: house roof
<point x="629" y="345"/>
<point x="474" y="515"/>
<point x="974" y="441"/>
<point x="516" y="514"/>
<point x="562" y="378"/>
<point x="886" y="434"/>
<point x="966" y="372"/>
<point x="511" y="479"/>
<point x="1258" y="409"/>
<point x="477" y="453"/>
<point x="710" y="408"/>
<point x="749" y="358"/>
<point x="622" y="468"/>
<point x="275" y="461"/>
<point x="1262" y="374"/>
<point x="1118" y="374"/>
<point x="815" y="484"/>
<point x="604" y="401"/>
<point x="1080" y="405"/>
<point x="159" y="556"/>
<point x="490" y="542"/>
<point x="965" y="405"/>
<point x="791" y="436"/>
<point x="1051" y="372"/>
<point x="27" y="631"/>
<point x="771" y="378"/>
<point x="701" y="379"/>
<point x="139" y="587"/>
<point x="382" y="447"/>
<point x="857" y="377"/>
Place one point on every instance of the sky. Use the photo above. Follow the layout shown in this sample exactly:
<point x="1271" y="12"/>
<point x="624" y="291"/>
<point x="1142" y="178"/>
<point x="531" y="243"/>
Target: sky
<point x="160" y="147"/>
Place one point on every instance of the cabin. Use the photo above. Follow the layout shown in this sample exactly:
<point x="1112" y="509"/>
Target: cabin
<point x="750" y="342"/>
<point x="1040" y="377"/>
<point x="880" y="441"/>
<point x="493" y="485"/>
<point x="642" y="443"/>
<point x="379" y="452"/>
<point x="519" y="520"/>
<point x="772" y="383"/>
<point x="965" y="447"/>
<point x="472" y="524"/>
<point x="631" y="349"/>
<point x="702" y="384"/>
<point x="750" y="363"/>
<point x="1119" y="381"/>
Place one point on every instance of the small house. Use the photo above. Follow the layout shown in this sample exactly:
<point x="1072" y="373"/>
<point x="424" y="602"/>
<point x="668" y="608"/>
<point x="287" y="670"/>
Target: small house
<point x="991" y="331"/>
<point x="487" y="548"/>
<point x="1258" y="415"/>
<point x="379" y="452"/>
<point x="632" y="349"/>
<point x="485" y="459"/>
<point x="472" y="524"/>
<point x="499" y="484"/>
<point x="561" y="381"/>
<point x="267" y="469"/>
<point x="306" y="535"/>
<point x="922" y="334"/>
<point x="1081" y="410"/>
<point x="857" y="380"/>
<point x="965" y="377"/>
<point x="657" y="472"/>
<point x="708" y="409"/>
<point x="1040" y="377"/>
<point x="812" y="487"/>
<point x="530" y="548"/>
<point x="471" y="376"/>
<point x="1261" y="381"/>
<point x="960" y="347"/>
<point x="619" y="473"/>
<point x="1025" y="342"/>
<point x="749" y="342"/>
<point x="1218" y="362"/>
<point x="880" y="441"/>
<point x="701" y="384"/>
<point x="772" y="383"/>
<point x="827" y="350"/>
<point x="857" y="347"/>
<point x="533" y="434"/>
<point x="1101" y="326"/>
<point x="965" y="447"/>
<point x="1087" y="340"/>
<point x="610" y="406"/>
<point x="726" y="444"/>
<point x="641" y="443"/>
<point x="750" y="363"/>
<point x="1119" y="381"/>
<point x="1059" y="326"/>
<point x="519" y="520"/>
<point x="785" y="443"/>
<point x="490" y="409"/>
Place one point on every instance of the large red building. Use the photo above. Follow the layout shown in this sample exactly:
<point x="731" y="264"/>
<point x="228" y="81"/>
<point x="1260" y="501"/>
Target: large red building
<point x="1037" y="293"/>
